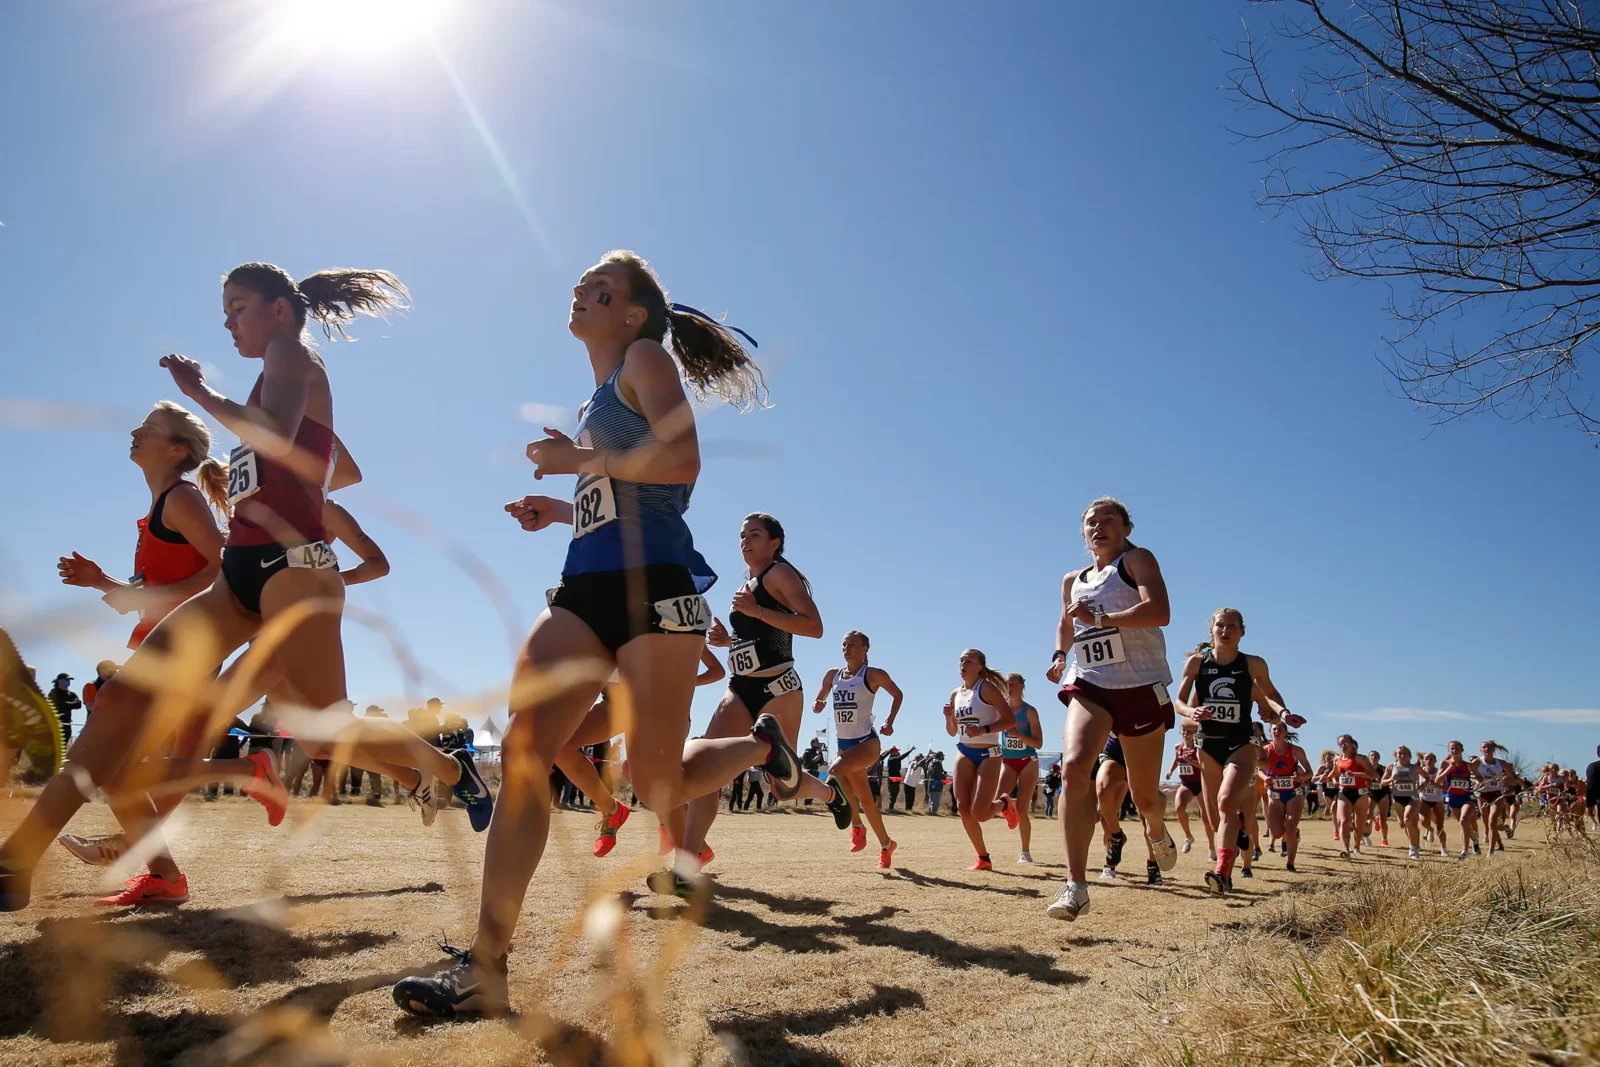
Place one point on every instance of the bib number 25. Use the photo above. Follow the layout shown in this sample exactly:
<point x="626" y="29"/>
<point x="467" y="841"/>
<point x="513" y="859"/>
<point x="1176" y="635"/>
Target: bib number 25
<point x="244" y="480"/>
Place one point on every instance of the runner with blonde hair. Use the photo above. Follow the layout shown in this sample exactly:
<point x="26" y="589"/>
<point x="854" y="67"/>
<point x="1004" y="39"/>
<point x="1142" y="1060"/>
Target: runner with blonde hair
<point x="978" y="712"/>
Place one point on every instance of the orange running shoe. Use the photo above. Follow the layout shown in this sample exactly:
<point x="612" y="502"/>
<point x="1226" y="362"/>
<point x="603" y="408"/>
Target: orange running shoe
<point x="148" y="889"/>
<point x="981" y="864"/>
<point x="858" y="838"/>
<point x="608" y="830"/>
<point x="1009" y="810"/>
<point x="706" y="856"/>
<point x="665" y="840"/>
<point x="265" y="787"/>
<point x="886" y="855"/>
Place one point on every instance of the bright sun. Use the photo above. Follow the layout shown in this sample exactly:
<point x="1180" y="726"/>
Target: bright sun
<point x="364" y="27"/>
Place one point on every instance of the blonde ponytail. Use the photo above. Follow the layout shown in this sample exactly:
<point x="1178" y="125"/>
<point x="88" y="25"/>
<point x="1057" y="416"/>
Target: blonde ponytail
<point x="212" y="477"/>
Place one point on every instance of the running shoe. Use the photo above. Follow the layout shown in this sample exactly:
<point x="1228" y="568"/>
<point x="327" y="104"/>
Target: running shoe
<point x="1211" y="855"/>
<point x="677" y="884"/>
<point x="981" y="864"/>
<point x="1164" y="851"/>
<point x="473" y="792"/>
<point x="706" y="856"/>
<point x="148" y="889"/>
<point x="609" y="827"/>
<point x="1476" y="850"/>
<point x="783" y="764"/>
<point x="858" y="838"/>
<point x="886" y="855"/>
<point x="1414" y="852"/>
<point x="266" y="787"/>
<point x="469" y="987"/>
<point x="1384" y="842"/>
<point x="1344" y="853"/>
<point x="1114" y="850"/>
<point x="1216" y="883"/>
<point x="1366" y="840"/>
<point x="1463" y="854"/>
<point x="1108" y="874"/>
<point x="1428" y="837"/>
<point x="95" y="851"/>
<point x="1025" y="857"/>
<point x="1289" y="867"/>
<point x="426" y="799"/>
<point x="1188" y="843"/>
<point x="1008" y="811"/>
<point x="1511" y="832"/>
<point x="1152" y="872"/>
<point x="1256" y="854"/>
<point x="1246" y="872"/>
<point x="839" y="804"/>
<point x="1444" y="852"/>
<point x="1073" y="902"/>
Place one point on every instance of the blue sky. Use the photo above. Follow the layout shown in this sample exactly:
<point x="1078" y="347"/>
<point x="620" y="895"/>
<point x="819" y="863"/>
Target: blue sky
<point x="998" y="266"/>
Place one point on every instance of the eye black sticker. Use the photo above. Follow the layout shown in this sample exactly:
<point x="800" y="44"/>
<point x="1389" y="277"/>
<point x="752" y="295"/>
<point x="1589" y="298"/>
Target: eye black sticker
<point x="603" y="299"/>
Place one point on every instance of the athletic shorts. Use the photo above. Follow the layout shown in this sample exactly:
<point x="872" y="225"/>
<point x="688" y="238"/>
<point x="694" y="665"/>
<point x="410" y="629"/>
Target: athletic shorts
<point x="1111" y="753"/>
<point x="1489" y="797"/>
<point x="247" y="568"/>
<point x="1379" y="794"/>
<point x="1222" y="749"/>
<point x="847" y="743"/>
<point x="1191" y="784"/>
<point x="1457" y="801"/>
<point x="756" y="693"/>
<point x="1286" y="795"/>
<point x="658" y="598"/>
<point x="1404" y="801"/>
<point x="1020" y="763"/>
<point x="977" y="755"/>
<point x="1330" y="791"/>
<point x="1134" y="712"/>
<point x="1351" y="793"/>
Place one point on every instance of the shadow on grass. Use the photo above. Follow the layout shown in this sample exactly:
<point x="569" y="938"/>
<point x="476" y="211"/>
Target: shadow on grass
<point x="929" y="881"/>
<point x="769" y="1039"/>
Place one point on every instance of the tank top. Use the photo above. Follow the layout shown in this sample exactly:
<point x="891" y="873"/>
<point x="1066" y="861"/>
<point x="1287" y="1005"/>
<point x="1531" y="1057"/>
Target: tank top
<point x="1347" y="774"/>
<point x="1227" y="691"/>
<point x="1405" y="780"/>
<point x="1016" y="745"/>
<point x="1188" y="757"/>
<point x="1107" y="656"/>
<point x="616" y="524"/>
<point x="1377" y="775"/>
<point x="971" y="711"/>
<point x="1491" y="776"/>
<point x="280" y="501"/>
<point x="852" y="705"/>
<point x="760" y="647"/>
<point x="1426" y="789"/>
<point x="162" y="556"/>
<point x="1457" y="776"/>
<point x="1281" y="769"/>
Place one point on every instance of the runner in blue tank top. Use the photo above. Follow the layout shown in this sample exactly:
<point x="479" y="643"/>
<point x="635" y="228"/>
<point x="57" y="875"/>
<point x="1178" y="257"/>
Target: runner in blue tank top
<point x="630" y="598"/>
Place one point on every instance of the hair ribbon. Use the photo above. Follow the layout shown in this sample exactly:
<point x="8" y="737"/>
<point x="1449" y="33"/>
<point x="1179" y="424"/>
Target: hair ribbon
<point x="696" y="313"/>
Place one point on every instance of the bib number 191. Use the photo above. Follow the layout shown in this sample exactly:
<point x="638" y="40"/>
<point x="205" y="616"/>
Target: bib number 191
<point x="1099" y="648"/>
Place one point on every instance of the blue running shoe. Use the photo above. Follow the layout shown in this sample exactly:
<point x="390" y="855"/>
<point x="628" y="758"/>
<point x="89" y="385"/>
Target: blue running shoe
<point x="473" y="791"/>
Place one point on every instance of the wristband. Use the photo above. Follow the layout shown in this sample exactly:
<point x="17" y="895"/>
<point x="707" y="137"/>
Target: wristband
<point x="1059" y="655"/>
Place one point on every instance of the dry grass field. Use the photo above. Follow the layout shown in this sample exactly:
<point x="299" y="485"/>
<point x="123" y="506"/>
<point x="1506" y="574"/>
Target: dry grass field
<point x="808" y="955"/>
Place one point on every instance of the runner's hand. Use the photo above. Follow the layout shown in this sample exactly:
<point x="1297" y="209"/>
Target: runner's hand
<point x="1293" y="721"/>
<point x="1057" y="671"/>
<point x="123" y="598"/>
<point x="556" y="454"/>
<point x="717" y="636"/>
<point x="186" y="375"/>
<point x="534" y="513"/>
<point x="1202" y="713"/>
<point x="76" y="570"/>
<point x="887" y="730"/>
<point x="744" y="601"/>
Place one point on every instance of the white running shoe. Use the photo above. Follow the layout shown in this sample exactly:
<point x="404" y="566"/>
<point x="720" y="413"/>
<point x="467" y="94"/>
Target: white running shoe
<point x="427" y="799"/>
<point x="1211" y="854"/>
<point x="1188" y="843"/>
<point x="1108" y="874"/>
<point x="1164" y="851"/>
<point x="1026" y="857"/>
<point x="95" y="851"/>
<point x="1073" y="902"/>
<point x="1444" y="852"/>
<point x="1415" y="852"/>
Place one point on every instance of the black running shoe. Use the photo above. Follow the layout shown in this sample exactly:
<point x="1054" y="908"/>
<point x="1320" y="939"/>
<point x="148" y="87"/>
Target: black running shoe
<point x="470" y="987"/>
<point x="1256" y="854"/>
<point x="1243" y="840"/>
<point x="670" y="883"/>
<point x="1216" y="883"/>
<point x="783" y="765"/>
<point x="839" y="804"/>
<point x="1476" y="851"/>
<point x="1114" y="850"/>
<point x="1152" y="872"/>
<point x="473" y="791"/>
<point x="1289" y="867"/>
<point x="1245" y="871"/>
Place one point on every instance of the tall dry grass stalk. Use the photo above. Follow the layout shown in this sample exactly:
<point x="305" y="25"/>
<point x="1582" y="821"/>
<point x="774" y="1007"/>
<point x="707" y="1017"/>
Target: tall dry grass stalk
<point x="1442" y="963"/>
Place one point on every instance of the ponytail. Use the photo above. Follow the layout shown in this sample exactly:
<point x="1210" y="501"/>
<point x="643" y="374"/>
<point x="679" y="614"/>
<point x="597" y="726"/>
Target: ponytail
<point x="333" y="297"/>
<point x="212" y="477"/>
<point x="996" y="680"/>
<point x="185" y="426"/>
<point x="711" y="359"/>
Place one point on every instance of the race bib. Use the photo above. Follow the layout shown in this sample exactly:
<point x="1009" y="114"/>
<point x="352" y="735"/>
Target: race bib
<point x="996" y="752"/>
<point x="1283" y="782"/>
<point x="742" y="658"/>
<point x="1224" y="711"/>
<point x="1186" y="770"/>
<point x="844" y="716"/>
<point x="1460" y="783"/>
<point x="684" y="614"/>
<point x="1099" y="648"/>
<point x="243" y="478"/>
<point x="313" y="557"/>
<point x="1015" y="743"/>
<point x="787" y="682"/>
<point x="1403" y="788"/>
<point x="1347" y="780"/>
<point x="594" y="505"/>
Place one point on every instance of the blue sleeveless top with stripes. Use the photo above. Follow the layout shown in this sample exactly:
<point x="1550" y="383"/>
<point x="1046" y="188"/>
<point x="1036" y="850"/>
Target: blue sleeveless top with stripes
<point x="647" y="525"/>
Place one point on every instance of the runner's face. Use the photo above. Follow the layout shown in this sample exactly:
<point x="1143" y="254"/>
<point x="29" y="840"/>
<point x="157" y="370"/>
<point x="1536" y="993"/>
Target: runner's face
<point x="756" y="545"/>
<point x="1104" y="531"/>
<point x="152" y="448"/>
<point x="1226" y="630"/>
<point x="970" y="667"/>
<point x="601" y="308"/>
<point x="1280" y="733"/>
<point x="1016" y="694"/>
<point x="855" y="653"/>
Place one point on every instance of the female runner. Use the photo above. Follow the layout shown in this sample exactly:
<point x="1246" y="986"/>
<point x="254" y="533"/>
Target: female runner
<point x="1351" y="773"/>
<point x="1225" y="685"/>
<point x="1020" y="761"/>
<point x="854" y="689"/>
<point x="276" y="561"/>
<point x="1456" y="775"/>
<point x="1401" y="780"/>
<point x="1111" y="617"/>
<point x="1324" y="781"/>
<point x="1286" y="771"/>
<point x="1430" y="800"/>
<point x="1378" y="803"/>
<point x="1186" y="763"/>
<point x="630" y="599"/>
<point x="1492" y="775"/>
<point x="978" y="711"/>
<point x="772" y="606"/>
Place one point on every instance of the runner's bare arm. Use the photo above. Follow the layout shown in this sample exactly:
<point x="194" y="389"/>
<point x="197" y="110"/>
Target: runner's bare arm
<point x="824" y="689"/>
<point x="1191" y="673"/>
<point x="887" y="685"/>
<point x="784" y="583"/>
<point x="342" y="526"/>
<point x="1153" y="608"/>
<point x="714" y="671"/>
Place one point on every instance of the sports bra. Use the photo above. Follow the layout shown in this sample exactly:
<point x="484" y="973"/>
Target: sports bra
<point x="758" y="646"/>
<point x="161" y="556"/>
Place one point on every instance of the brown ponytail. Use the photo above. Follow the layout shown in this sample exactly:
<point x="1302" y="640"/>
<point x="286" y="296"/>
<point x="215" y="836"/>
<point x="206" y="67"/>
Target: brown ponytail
<point x="996" y="680"/>
<point x="212" y="478"/>
<point x="710" y="356"/>
<point x="333" y="297"/>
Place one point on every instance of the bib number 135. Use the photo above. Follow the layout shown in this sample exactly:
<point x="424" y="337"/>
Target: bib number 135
<point x="594" y="506"/>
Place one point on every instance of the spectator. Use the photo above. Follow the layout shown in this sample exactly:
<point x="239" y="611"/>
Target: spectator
<point x="66" y="702"/>
<point x="103" y="673"/>
<point x="757" y="787"/>
<point x="894" y="769"/>
<point x="875" y="781"/>
<point x="424" y="722"/>
<point x="812" y="759"/>
<point x="913" y="779"/>
<point x="736" y="794"/>
<point x="935" y="781"/>
<point x="229" y="749"/>
<point x="1591" y="791"/>
<point x="1052" y="789"/>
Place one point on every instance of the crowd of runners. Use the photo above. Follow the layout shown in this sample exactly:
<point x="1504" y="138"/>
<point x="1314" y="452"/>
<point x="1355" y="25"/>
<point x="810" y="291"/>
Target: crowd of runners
<point x="239" y="555"/>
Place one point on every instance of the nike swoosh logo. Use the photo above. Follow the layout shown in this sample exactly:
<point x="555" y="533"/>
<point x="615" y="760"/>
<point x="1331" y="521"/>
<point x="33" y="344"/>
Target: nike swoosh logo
<point x="1143" y="725"/>
<point x="269" y="562"/>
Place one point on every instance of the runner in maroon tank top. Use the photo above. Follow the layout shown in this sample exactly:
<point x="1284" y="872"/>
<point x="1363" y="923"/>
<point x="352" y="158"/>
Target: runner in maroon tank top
<point x="276" y="565"/>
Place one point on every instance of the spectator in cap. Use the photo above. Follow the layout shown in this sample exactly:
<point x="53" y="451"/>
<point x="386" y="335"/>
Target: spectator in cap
<point x="66" y="702"/>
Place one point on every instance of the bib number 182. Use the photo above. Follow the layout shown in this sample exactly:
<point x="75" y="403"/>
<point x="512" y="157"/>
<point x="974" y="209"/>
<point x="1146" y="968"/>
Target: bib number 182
<point x="594" y="506"/>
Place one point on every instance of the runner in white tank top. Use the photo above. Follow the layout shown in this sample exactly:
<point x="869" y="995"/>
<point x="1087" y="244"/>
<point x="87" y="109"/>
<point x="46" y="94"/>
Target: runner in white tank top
<point x="1111" y="618"/>
<point x="976" y="715"/>
<point x="1493" y="775"/>
<point x="854" y="690"/>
